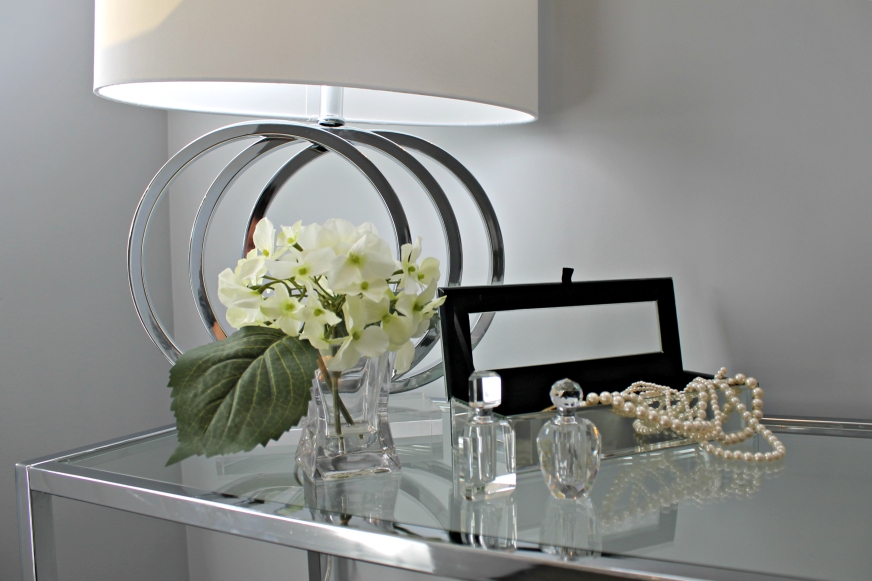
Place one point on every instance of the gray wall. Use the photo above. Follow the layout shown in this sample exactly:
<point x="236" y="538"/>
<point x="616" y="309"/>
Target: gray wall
<point x="75" y="365"/>
<point x="725" y="144"/>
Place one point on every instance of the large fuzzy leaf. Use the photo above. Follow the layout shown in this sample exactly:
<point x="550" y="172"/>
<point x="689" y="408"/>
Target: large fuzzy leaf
<point x="243" y="391"/>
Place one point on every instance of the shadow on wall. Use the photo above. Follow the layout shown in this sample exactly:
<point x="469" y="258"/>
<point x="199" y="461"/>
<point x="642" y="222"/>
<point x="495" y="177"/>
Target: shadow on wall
<point x="567" y="55"/>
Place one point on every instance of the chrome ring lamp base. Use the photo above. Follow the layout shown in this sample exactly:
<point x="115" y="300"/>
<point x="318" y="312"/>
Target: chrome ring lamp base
<point x="339" y="140"/>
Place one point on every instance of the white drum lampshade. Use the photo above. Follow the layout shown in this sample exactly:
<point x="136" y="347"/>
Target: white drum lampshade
<point x="410" y="62"/>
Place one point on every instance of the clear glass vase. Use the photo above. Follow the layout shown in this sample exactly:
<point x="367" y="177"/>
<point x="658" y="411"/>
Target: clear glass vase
<point x="354" y="437"/>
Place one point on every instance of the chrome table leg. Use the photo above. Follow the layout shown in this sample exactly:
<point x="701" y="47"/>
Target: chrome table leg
<point x="314" y="566"/>
<point x="35" y="531"/>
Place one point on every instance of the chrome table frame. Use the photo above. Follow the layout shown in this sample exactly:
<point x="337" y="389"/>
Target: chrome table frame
<point x="413" y="548"/>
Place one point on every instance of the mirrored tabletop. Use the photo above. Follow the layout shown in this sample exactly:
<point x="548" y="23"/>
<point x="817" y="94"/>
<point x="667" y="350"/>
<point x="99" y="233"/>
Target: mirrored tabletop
<point x="670" y="512"/>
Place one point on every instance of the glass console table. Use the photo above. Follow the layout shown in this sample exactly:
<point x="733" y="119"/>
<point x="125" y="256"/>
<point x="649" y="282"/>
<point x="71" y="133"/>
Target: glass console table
<point x="669" y="513"/>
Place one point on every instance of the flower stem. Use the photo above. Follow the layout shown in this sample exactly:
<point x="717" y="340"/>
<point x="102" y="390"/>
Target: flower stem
<point x="334" y="389"/>
<point x="333" y="381"/>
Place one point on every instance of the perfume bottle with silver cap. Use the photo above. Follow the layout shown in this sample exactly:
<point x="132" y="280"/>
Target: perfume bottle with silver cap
<point x="485" y="452"/>
<point x="569" y="446"/>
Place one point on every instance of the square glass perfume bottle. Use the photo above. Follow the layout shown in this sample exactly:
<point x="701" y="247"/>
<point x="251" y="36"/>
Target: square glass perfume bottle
<point x="485" y="451"/>
<point x="569" y="446"/>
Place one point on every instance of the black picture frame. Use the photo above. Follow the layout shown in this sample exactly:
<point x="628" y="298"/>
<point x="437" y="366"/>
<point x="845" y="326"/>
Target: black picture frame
<point x="526" y="389"/>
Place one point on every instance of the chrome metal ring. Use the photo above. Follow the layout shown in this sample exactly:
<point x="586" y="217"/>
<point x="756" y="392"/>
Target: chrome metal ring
<point x="201" y="227"/>
<point x="338" y="140"/>
<point x="497" y="256"/>
<point x="286" y="132"/>
<point x="319" y="138"/>
<point x="450" y="228"/>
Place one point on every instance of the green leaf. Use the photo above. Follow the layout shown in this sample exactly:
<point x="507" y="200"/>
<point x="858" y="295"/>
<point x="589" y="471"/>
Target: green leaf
<point x="246" y="390"/>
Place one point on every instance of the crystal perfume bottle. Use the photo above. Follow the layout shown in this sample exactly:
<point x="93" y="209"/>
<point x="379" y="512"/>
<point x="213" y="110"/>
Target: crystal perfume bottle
<point x="485" y="453"/>
<point x="569" y="446"/>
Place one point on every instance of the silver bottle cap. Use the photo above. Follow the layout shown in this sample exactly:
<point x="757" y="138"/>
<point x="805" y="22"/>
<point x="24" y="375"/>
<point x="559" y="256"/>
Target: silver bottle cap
<point x="566" y="395"/>
<point x="485" y="389"/>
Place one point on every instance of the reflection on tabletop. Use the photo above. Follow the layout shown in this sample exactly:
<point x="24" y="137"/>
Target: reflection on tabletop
<point x="633" y="504"/>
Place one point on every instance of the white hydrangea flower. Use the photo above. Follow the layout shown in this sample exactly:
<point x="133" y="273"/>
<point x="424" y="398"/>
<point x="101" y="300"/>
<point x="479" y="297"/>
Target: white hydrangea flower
<point x="369" y="259"/>
<point x="373" y="290"/>
<point x="428" y="271"/>
<point x="234" y="292"/>
<point x="405" y="356"/>
<point x="297" y="277"/>
<point x="238" y="318"/>
<point x="362" y="341"/>
<point x="251" y="269"/>
<point x="301" y="265"/>
<point x="289" y="235"/>
<point x="337" y="234"/>
<point x="243" y="303"/>
<point x="398" y="328"/>
<point x="284" y="310"/>
<point x="315" y="313"/>
<point x="314" y="334"/>
<point x="409" y="254"/>
<point x="419" y="307"/>
<point x="265" y="239"/>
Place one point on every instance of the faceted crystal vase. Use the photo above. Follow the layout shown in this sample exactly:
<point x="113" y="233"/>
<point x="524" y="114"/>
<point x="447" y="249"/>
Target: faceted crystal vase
<point x="360" y="442"/>
<point x="569" y="446"/>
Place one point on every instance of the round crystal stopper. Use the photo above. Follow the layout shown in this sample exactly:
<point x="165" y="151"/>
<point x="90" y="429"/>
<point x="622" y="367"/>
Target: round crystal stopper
<point x="566" y="395"/>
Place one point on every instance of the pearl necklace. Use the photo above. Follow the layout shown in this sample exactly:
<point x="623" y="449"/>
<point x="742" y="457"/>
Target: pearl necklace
<point x="685" y="413"/>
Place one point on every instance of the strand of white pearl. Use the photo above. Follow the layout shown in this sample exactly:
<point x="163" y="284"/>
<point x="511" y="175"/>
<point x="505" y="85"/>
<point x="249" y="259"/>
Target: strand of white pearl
<point x="690" y="421"/>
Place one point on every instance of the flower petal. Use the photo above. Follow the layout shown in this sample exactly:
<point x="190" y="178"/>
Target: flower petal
<point x="289" y="234"/>
<point x="375" y="310"/>
<point x="289" y="326"/>
<point x="431" y="307"/>
<point x="372" y="343"/>
<point x="250" y="269"/>
<point x="283" y="269"/>
<point x="427" y="294"/>
<point x="367" y="228"/>
<point x="238" y="318"/>
<point x="314" y="333"/>
<point x="406" y="303"/>
<point x="354" y="315"/>
<point x="398" y="328"/>
<point x="404" y="358"/>
<point x="374" y="289"/>
<point x="346" y="357"/>
<point x="423" y="327"/>
<point x="319" y="260"/>
<point x="264" y="237"/>
<point x="428" y="271"/>
<point x="343" y="273"/>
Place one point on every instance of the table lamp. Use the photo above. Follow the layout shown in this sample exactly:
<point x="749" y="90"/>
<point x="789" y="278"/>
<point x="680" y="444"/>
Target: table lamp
<point x="451" y="62"/>
<point x="324" y="63"/>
